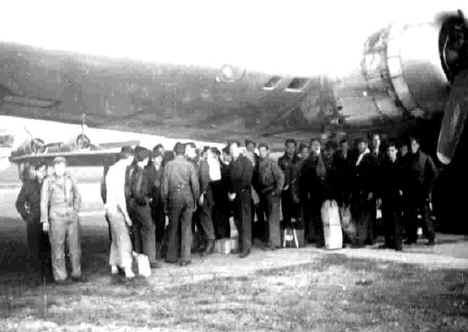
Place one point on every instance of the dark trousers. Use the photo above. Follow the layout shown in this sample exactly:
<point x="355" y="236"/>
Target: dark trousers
<point x="362" y="211"/>
<point x="221" y="215"/>
<point x="270" y="207"/>
<point x="205" y="220"/>
<point x="38" y="246"/>
<point x="313" y="220"/>
<point x="391" y="214"/>
<point x="372" y="225"/>
<point x="179" y="230"/>
<point x="243" y="219"/>
<point x="159" y="218"/>
<point x="418" y="205"/>
<point x="143" y="231"/>
<point x="290" y="209"/>
<point x="259" y="225"/>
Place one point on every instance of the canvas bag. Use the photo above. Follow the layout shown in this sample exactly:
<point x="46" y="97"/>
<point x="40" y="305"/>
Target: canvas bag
<point x="332" y="225"/>
<point x="141" y="264"/>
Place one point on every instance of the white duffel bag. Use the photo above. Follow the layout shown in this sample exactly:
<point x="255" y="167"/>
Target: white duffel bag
<point x="332" y="233"/>
<point x="141" y="265"/>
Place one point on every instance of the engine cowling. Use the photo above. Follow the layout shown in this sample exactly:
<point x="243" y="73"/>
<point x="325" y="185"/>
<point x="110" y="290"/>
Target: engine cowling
<point x="401" y="74"/>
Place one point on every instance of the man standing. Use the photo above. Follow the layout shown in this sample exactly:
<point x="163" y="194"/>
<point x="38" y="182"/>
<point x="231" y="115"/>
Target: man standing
<point x="120" y="255"/>
<point x="343" y="173"/>
<point x="289" y="198"/>
<point x="193" y="156"/>
<point x="391" y="198"/>
<point x="329" y="160"/>
<point x="362" y="204"/>
<point x="208" y="166"/>
<point x="258" y="223"/>
<point x="270" y="184"/>
<point x="180" y="191"/>
<point x="298" y="194"/>
<point x="379" y="156"/>
<point x="240" y="173"/>
<point x="422" y="173"/>
<point x="60" y="203"/>
<point x="155" y="174"/>
<point x="28" y="205"/>
<point x="222" y="207"/>
<point x="140" y="198"/>
<point x="313" y="190"/>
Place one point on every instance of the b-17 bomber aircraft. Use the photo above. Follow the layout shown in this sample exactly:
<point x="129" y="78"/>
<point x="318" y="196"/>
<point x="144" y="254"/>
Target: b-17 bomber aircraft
<point x="406" y="73"/>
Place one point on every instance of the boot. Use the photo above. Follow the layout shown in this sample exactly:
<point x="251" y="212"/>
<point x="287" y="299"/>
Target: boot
<point x="209" y="248"/>
<point x="244" y="253"/>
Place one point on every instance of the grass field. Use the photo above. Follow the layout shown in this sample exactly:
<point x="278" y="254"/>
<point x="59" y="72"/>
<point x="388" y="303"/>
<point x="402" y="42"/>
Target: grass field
<point x="286" y="290"/>
<point x="330" y="293"/>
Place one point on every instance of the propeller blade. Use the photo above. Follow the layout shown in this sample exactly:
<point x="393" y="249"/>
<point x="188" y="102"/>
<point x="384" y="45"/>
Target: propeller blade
<point x="453" y="122"/>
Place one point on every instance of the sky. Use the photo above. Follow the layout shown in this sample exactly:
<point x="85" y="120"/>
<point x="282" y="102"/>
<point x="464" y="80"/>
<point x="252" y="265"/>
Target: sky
<point x="273" y="36"/>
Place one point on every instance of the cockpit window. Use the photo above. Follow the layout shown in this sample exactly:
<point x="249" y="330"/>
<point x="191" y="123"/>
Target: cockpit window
<point x="272" y="83"/>
<point x="297" y="84"/>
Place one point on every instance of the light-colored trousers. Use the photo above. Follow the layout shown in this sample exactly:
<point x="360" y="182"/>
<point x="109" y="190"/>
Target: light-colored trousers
<point x="121" y="245"/>
<point x="65" y="230"/>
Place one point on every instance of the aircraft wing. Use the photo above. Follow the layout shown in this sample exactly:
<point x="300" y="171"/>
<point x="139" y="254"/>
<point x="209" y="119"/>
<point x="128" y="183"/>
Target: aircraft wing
<point x="91" y="155"/>
<point x="74" y="158"/>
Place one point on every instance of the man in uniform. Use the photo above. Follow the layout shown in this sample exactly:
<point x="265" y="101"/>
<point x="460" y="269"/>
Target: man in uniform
<point x="192" y="155"/>
<point x="391" y="184"/>
<point x="313" y="192"/>
<point x="60" y="203"/>
<point x="28" y="205"/>
<point x="155" y="174"/>
<point x="140" y="198"/>
<point x="379" y="156"/>
<point x="289" y="198"/>
<point x="421" y="176"/>
<point x="258" y="221"/>
<point x="329" y="154"/>
<point x="180" y="191"/>
<point x="240" y="174"/>
<point x="222" y="207"/>
<point x="343" y="173"/>
<point x="364" y="181"/>
<point x="270" y="185"/>
<point x="208" y="163"/>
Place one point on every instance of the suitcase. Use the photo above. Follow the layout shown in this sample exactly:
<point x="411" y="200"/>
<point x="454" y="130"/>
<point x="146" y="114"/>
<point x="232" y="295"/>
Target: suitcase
<point x="223" y="246"/>
<point x="331" y="225"/>
<point x="141" y="265"/>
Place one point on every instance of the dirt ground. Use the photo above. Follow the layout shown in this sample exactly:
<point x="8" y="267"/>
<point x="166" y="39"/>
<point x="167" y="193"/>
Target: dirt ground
<point x="306" y="289"/>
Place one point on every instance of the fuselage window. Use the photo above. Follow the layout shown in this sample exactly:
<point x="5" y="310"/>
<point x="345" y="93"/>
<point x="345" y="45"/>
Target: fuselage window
<point x="272" y="83"/>
<point x="297" y="84"/>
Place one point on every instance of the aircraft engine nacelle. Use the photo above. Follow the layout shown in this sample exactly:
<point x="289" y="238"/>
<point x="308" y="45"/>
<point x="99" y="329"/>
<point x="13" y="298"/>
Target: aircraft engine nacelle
<point x="401" y="74"/>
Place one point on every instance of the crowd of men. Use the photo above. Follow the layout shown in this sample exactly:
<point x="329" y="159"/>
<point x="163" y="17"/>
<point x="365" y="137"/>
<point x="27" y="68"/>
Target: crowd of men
<point x="200" y="190"/>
